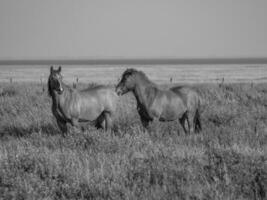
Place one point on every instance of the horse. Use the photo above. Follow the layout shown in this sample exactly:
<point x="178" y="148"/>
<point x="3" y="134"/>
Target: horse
<point x="95" y="106"/>
<point x="177" y="103"/>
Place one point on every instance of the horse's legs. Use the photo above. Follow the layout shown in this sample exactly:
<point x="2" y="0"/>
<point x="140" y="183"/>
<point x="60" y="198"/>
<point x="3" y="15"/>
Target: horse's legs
<point x="75" y="123"/>
<point x="197" y="122"/>
<point x="104" y="121"/>
<point x="62" y="126"/>
<point x="145" y="122"/>
<point x="190" y="121"/>
<point x="100" y="121"/>
<point x="147" y="125"/>
<point x="107" y="121"/>
<point x="182" y="121"/>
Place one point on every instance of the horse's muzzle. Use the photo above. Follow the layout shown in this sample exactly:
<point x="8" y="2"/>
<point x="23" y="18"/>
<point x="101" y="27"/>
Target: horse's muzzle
<point x="60" y="90"/>
<point x="118" y="91"/>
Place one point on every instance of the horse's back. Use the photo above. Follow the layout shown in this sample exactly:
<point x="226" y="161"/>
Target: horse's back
<point x="189" y="95"/>
<point x="167" y="105"/>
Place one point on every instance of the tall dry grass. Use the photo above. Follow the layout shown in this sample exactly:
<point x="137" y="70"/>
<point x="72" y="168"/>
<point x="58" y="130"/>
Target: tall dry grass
<point x="227" y="160"/>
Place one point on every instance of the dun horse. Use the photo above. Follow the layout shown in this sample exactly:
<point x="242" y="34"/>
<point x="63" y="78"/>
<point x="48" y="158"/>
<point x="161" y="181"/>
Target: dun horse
<point x="90" y="106"/>
<point x="164" y="105"/>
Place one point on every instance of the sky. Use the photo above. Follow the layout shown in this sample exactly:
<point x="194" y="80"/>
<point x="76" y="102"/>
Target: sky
<point x="52" y="29"/>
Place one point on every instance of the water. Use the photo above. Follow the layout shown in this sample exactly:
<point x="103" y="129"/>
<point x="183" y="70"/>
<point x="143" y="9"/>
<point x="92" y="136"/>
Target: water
<point x="109" y="74"/>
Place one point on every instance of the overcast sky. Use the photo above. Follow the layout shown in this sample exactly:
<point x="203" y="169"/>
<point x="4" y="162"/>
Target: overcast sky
<point x="37" y="29"/>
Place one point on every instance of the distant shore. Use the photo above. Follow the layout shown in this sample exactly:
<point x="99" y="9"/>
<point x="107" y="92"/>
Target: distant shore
<point x="143" y="61"/>
<point x="162" y="74"/>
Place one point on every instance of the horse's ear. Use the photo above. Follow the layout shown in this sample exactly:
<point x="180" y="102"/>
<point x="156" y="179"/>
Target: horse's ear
<point x="51" y="69"/>
<point x="59" y="69"/>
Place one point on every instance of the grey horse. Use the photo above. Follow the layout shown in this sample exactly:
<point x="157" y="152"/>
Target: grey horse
<point x="95" y="105"/>
<point x="153" y="103"/>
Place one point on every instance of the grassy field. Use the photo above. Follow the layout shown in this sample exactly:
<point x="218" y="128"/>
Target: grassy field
<point x="227" y="160"/>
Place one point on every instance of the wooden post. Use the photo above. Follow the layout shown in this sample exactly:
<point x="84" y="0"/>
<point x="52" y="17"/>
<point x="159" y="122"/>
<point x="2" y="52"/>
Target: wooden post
<point x="42" y="85"/>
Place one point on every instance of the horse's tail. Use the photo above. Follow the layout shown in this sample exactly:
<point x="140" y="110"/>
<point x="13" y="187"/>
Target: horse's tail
<point x="198" y="126"/>
<point x="200" y="103"/>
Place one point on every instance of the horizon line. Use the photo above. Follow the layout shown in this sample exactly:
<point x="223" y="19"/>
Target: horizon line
<point x="135" y="61"/>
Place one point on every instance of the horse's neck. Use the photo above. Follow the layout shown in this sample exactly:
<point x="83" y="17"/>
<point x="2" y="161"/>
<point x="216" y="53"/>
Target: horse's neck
<point x="140" y="93"/>
<point x="59" y="99"/>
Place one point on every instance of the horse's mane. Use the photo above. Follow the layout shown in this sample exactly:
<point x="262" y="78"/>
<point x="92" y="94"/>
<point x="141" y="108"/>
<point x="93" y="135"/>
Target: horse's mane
<point x="49" y="89"/>
<point x="141" y="74"/>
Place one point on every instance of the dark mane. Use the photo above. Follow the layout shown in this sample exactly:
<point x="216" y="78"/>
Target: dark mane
<point x="133" y="71"/>
<point x="129" y="71"/>
<point x="49" y="89"/>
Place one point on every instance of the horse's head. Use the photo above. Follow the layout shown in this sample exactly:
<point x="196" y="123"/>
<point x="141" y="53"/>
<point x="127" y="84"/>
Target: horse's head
<point x="127" y="82"/>
<point x="55" y="81"/>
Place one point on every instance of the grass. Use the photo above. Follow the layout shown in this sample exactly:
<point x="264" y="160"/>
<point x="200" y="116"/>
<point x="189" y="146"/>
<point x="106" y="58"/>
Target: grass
<point x="227" y="160"/>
